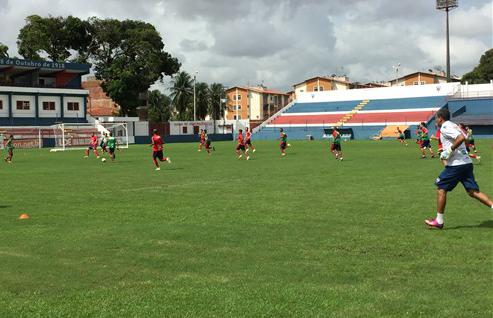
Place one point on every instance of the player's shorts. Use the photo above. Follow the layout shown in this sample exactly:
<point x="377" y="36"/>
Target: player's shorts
<point x="208" y="144"/>
<point x="471" y="142"/>
<point x="335" y="147"/>
<point x="91" y="147"/>
<point x="111" y="151"/>
<point x="400" y="138"/>
<point x="249" y="142"/>
<point x="283" y="145"/>
<point x="240" y="147"/>
<point x="452" y="175"/>
<point x="425" y="144"/>
<point x="158" y="155"/>
<point x="11" y="152"/>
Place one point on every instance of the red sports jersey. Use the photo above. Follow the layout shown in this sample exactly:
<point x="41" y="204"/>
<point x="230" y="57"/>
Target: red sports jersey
<point x="248" y="135"/>
<point x="94" y="140"/>
<point x="334" y="134"/>
<point x="240" y="139"/>
<point x="424" y="130"/>
<point x="157" y="143"/>
<point x="202" y="136"/>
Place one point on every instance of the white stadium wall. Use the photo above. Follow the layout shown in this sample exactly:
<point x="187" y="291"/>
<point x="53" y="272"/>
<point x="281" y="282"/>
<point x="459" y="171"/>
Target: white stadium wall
<point x="379" y="93"/>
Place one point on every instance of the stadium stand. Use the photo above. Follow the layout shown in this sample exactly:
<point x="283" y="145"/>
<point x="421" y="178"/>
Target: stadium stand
<point x="367" y="112"/>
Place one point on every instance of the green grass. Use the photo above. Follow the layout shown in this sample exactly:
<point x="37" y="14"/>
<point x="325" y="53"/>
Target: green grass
<point x="303" y="236"/>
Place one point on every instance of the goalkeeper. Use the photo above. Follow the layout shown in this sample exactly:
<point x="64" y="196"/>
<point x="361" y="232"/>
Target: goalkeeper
<point x="458" y="167"/>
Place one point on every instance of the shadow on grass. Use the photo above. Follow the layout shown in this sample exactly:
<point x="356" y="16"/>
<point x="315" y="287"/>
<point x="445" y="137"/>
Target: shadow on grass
<point x="484" y="225"/>
<point x="4" y="206"/>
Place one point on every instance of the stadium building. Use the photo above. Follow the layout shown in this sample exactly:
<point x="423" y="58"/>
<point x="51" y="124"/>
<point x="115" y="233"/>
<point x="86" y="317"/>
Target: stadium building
<point x="377" y="112"/>
<point x="41" y="93"/>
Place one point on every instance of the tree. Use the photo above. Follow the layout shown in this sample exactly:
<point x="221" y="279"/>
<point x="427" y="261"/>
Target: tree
<point x="482" y="73"/>
<point x="4" y="50"/>
<point x="182" y="95"/>
<point x="217" y="107"/>
<point x="203" y="100"/>
<point x="54" y="37"/>
<point x="128" y="57"/>
<point x="159" y="107"/>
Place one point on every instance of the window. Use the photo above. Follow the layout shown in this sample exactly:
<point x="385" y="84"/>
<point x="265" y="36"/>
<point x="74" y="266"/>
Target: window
<point x="239" y="117"/>
<point x="185" y="130"/>
<point x="234" y="117"/>
<point x="73" y="106"/>
<point x="423" y="83"/>
<point x="315" y="89"/>
<point x="320" y="88"/>
<point x="1" y="104"/>
<point x="237" y="97"/>
<point x="48" y="105"/>
<point x="23" y="105"/>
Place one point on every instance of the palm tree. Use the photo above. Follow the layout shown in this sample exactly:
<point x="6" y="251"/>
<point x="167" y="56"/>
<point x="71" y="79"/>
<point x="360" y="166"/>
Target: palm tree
<point x="159" y="107"/>
<point x="182" y="95"/>
<point x="217" y="107"/>
<point x="203" y="100"/>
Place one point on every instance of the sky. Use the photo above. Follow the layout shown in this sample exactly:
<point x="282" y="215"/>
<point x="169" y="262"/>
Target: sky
<point x="282" y="42"/>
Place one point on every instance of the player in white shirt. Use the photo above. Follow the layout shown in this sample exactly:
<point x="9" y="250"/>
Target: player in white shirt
<point x="458" y="167"/>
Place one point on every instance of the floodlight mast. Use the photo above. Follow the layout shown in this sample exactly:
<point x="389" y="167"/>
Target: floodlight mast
<point x="447" y="5"/>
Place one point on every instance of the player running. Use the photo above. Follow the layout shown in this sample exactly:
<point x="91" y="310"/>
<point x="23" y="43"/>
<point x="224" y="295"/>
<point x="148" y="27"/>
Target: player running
<point x="335" y="147"/>
<point x="240" y="147"/>
<point x="284" y="142"/>
<point x="202" y="139"/>
<point x="466" y="133"/>
<point x="459" y="168"/>
<point x="157" y="150"/>
<point x="402" y="137"/>
<point x="93" y="145"/>
<point x="208" y="146"/>
<point x="440" y="145"/>
<point x="470" y="139"/>
<point x="248" y="141"/>
<point x="425" y="141"/>
<point x="10" y="149"/>
<point x="112" y="144"/>
<point x="104" y="143"/>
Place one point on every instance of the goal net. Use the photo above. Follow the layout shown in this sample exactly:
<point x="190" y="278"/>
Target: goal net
<point x="78" y="136"/>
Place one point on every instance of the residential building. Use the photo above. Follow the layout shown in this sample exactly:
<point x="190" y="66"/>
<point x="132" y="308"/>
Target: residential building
<point x="98" y="103"/>
<point x="253" y="103"/>
<point x="422" y="78"/>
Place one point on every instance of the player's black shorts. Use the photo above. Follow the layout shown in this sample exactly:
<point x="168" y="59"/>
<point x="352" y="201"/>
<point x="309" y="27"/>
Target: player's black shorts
<point x="336" y="147"/>
<point x="471" y="142"/>
<point x="249" y="142"/>
<point x="283" y="145"/>
<point x="111" y="151"/>
<point x="240" y="147"/>
<point x="208" y="144"/>
<point x="158" y="155"/>
<point x="401" y="138"/>
<point x="425" y="144"/>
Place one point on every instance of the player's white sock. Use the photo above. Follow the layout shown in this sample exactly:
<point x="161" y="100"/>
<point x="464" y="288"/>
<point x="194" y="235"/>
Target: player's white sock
<point x="440" y="218"/>
<point x="492" y="207"/>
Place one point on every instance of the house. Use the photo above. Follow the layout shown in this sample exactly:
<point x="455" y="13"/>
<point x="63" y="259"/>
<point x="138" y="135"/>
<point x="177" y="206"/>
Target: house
<point x="322" y="83"/>
<point x="422" y="78"/>
<point x="98" y="103"/>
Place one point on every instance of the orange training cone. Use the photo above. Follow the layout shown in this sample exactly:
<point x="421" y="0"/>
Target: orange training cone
<point x="24" y="216"/>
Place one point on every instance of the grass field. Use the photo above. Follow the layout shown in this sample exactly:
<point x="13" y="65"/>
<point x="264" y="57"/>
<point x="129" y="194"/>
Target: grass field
<point x="302" y="236"/>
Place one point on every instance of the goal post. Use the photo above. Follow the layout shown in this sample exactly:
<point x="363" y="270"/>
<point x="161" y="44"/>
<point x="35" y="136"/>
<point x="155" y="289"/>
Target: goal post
<point x="68" y="136"/>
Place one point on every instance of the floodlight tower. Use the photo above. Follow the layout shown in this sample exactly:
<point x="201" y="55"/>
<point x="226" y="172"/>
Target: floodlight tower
<point x="447" y="5"/>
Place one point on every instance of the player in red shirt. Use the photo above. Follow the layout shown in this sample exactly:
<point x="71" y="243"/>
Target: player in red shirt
<point x="240" y="147"/>
<point x="202" y="139"/>
<point x="248" y="141"/>
<point x="464" y="131"/>
<point x="157" y="150"/>
<point x="93" y="145"/>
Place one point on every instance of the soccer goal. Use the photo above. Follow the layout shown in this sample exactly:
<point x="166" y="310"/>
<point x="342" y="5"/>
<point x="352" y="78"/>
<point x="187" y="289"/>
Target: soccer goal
<point x="70" y="136"/>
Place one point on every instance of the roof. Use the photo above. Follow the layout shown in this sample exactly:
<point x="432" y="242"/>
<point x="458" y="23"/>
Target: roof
<point x="429" y="73"/>
<point x="43" y="66"/>
<point x="325" y="78"/>
<point x="474" y="120"/>
<point x="257" y="90"/>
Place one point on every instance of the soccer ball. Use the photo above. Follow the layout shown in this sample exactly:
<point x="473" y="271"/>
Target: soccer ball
<point x="103" y="160"/>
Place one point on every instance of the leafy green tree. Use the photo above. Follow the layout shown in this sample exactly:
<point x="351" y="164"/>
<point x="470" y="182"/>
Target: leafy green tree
<point x="54" y="37"/>
<point x="483" y="73"/>
<point x="159" y="109"/>
<point x="182" y="95"/>
<point x="4" y="50"/>
<point x="202" y="100"/>
<point x="217" y="107"/>
<point x="128" y="57"/>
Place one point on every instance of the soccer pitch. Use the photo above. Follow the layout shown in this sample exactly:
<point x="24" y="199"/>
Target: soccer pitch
<point x="300" y="236"/>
